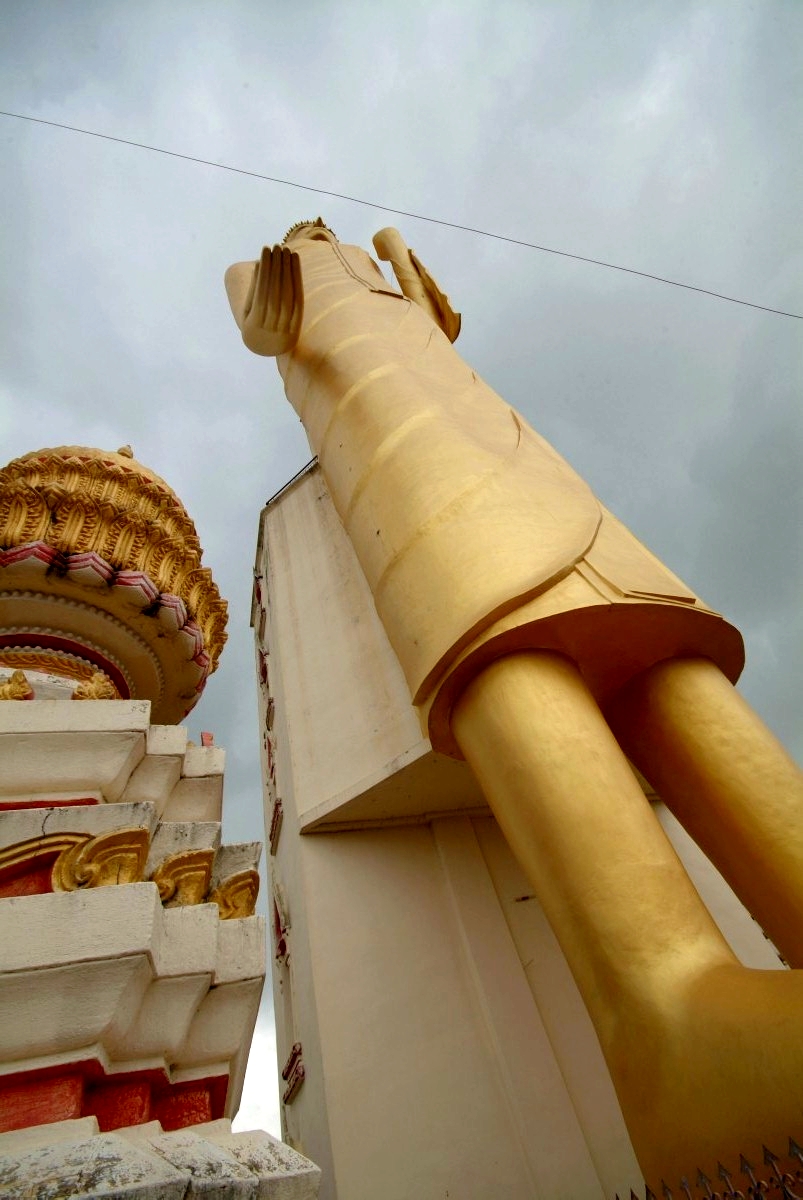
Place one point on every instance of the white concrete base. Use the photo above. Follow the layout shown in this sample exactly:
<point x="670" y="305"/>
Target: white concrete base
<point x="155" y="1166"/>
<point x="171" y="988"/>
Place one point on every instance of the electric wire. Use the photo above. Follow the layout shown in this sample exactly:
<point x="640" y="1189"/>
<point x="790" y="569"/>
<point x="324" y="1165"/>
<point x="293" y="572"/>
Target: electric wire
<point x="401" y="212"/>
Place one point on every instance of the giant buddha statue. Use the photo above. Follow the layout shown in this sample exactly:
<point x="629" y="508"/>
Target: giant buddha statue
<point x="542" y="642"/>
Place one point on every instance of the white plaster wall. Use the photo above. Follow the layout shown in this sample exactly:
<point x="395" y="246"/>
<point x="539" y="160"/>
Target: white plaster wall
<point x="356" y="749"/>
<point x="305" y="1123"/>
<point x="437" y="1071"/>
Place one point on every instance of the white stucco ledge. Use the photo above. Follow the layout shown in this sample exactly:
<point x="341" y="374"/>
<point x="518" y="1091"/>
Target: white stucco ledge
<point x="90" y="716"/>
<point x="105" y="1165"/>
<point x="22" y="1141"/>
<point x="200" y="761"/>
<point x="112" y="923"/>
<point x="158" y="1166"/>
<point x="21" y="824"/>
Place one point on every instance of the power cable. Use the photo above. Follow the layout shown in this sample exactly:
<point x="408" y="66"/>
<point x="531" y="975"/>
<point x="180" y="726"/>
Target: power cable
<point x="401" y="212"/>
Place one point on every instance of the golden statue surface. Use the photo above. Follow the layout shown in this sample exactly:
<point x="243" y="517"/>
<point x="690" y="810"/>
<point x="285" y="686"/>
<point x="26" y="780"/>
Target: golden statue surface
<point x="545" y="644"/>
<point x="475" y="536"/>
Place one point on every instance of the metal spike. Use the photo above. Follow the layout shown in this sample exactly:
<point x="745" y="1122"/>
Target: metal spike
<point x="748" y="1170"/>
<point x="666" y="1190"/>
<point x="704" y="1182"/>
<point x="684" y="1183"/>
<point x="782" y="1178"/>
<point x="725" y="1175"/>
<point x="795" y="1151"/>
<point x="633" y="1195"/>
<point x="649" y="1194"/>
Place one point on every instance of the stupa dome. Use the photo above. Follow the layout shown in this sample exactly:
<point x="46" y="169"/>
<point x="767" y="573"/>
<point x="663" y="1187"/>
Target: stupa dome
<point x="101" y="583"/>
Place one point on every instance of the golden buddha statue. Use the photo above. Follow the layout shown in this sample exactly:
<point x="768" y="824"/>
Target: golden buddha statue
<point x="541" y="641"/>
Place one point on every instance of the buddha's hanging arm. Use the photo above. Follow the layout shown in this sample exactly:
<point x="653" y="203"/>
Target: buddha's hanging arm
<point x="416" y="282"/>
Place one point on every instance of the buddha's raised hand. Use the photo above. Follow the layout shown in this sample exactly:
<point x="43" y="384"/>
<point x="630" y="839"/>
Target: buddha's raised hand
<point x="267" y="300"/>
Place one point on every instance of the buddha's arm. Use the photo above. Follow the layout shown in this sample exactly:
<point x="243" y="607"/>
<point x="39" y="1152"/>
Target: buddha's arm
<point x="416" y="282"/>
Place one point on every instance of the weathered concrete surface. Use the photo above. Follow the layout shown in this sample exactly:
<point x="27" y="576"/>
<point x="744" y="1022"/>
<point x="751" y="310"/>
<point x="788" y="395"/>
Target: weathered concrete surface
<point x="212" y="1163"/>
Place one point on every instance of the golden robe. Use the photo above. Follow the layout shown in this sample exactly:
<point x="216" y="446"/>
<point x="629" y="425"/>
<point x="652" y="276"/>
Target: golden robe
<point x="475" y="536"/>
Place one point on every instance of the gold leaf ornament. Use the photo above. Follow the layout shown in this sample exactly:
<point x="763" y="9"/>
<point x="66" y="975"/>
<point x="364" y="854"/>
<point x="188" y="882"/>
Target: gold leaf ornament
<point x="183" y="878"/>
<point x="111" y="858"/>
<point x="236" y="896"/>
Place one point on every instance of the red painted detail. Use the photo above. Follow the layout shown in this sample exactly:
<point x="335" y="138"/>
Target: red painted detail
<point x="191" y="1103"/>
<point x="139" y="580"/>
<point x="279" y="933"/>
<point x="91" y="561"/>
<point x="177" y="605"/>
<point x="63" y="1091"/>
<point x="293" y="1059"/>
<point x="117" y="1105"/>
<point x="13" y="805"/>
<point x="38" y="550"/>
<point x="28" y="865"/>
<point x="207" y="739"/>
<point x="270" y="754"/>
<point x="276" y="819"/>
<point x="24" y="879"/>
<point x="51" y="641"/>
<point x="190" y="1106"/>
<point x="193" y="633"/>
<point x="294" y="1083"/>
<point x="40" y="1101"/>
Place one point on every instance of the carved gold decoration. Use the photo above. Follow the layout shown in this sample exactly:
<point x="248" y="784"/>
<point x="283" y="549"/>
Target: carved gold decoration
<point x="111" y="858"/>
<point x="183" y="878"/>
<point x="16" y="687"/>
<point x="23" y="513"/>
<point x="237" y="895"/>
<point x="78" y="499"/>
<point x="38" y="851"/>
<point x="50" y="662"/>
<point x="97" y="687"/>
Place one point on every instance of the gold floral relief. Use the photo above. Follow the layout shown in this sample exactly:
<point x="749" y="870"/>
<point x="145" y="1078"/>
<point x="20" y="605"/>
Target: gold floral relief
<point x="153" y="549"/>
<point x="111" y="858"/>
<point x="110" y="504"/>
<point x="16" y="687"/>
<point x="97" y="687"/>
<point x="23" y="514"/>
<point x="197" y="584"/>
<point x="51" y="662"/>
<point x="121" y="542"/>
<point x="170" y="567"/>
<point x="237" y="896"/>
<point x="183" y="878"/>
<point x="80" y="518"/>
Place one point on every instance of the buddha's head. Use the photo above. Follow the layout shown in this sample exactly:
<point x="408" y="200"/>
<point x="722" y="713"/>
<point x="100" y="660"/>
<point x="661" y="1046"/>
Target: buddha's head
<point x="314" y="231"/>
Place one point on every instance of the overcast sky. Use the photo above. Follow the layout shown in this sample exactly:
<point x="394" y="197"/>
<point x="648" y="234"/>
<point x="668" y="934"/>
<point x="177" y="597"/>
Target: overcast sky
<point x="662" y="136"/>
